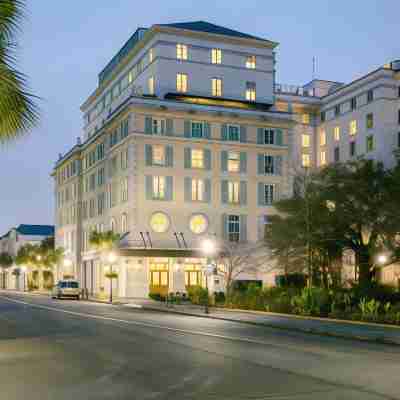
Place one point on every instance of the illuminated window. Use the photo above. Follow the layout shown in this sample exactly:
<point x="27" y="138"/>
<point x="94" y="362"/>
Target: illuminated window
<point x="159" y="222"/>
<point x="233" y="228"/>
<point x="151" y="85"/>
<point x="124" y="223"/>
<point x="181" y="83"/>
<point x="158" y="155"/>
<point x="305" y="140"/>
<point x="159" y="187"/>
<point x="251" y="62"/>
<point x="216" y="86"/>
<point x="322" y="138"/>
<point x="151" y="55"/>
<point x="336" y="133"/>
<point x="305" y="119"/>
<point x="250" y="91"/>
<point x="353" y="127"/>
<point x="323" y="157"/>
<point x="233" y="161"/>
<point x="233" y="192"/>
<point x="197" y="189"/>
<point x="370" y="121"/>
<point x="198" y="223"/>
<point x="197" y="158"/>
<point x="216" y="56"/>
<point x="181" y="51"/>
<point x="305" y="160"/>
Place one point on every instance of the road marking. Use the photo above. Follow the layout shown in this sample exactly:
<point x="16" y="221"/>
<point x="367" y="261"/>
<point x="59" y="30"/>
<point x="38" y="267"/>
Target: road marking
<point x="145" y="324"/>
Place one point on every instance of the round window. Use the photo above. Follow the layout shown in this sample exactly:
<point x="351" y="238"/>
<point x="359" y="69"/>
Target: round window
<point x="159" y="222"/>
<point x="198" y="223"/>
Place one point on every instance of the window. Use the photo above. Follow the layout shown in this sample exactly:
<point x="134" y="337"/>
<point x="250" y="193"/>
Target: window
<point x="216" y="87"/>
<point x="370" y="96"/>
<point x="352" y="149"/>
<point x="197" y="158"/>
<point x="181" y="51"/>
<point x="181" y="83"/>
<point x="353" y="103"/>
<point x="323" y="157"/>
<point x="100" y="176"/>
<point x="99" y="151"/>
<point x="268" y="164"/>
<point x="322" y="138"/>
<point x="158" y="126"/>
<point x="233" y="228"/>
<point x="370" y="120"/>
<point x="216" y="56"/>
<point x="353" y="127"/>
<point x="100" y="203"/>
<point x="159" y="222"/>
<point x="251" y="62"/>
<point x="233" y="161"/>
<point x="305" y="160"/>
<point x="198" y="223"/>
<point x="250" y="91"/>
<point x="234" y="133"/>
<point x="323" y="116"/>
<point x="233" y="192"/>
<point x="158" y="155"/>
<point x="269" y="136"/>
<point x="336" y="133"/>
<point x="305" y="119"/>
<point x="159" y="187"/>
<point x="197" y="129"/>
<point x="337" y="110"/>
<point x="268" y="194"/>
<point x="305" y="140"/>
<point x="124" y="189"/>
<point x="92" y="184"/>
<point x="124" y="158"/>
<point x="336" y="154"/>
<point x="370" y="143"/>
<point x="92" y="207"/>
<point x="197" y="189"/>
<point x="151" y="85"/>
<point x="151" y="55"/>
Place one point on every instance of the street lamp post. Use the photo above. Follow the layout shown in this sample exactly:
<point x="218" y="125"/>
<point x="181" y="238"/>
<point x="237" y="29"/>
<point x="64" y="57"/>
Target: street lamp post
<point x="23" y="269"/>
<point x="111" y="260"/>
<point x="208" y="247"/>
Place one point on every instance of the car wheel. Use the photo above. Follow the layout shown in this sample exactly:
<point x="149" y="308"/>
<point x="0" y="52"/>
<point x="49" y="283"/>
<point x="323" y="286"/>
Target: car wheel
<point x="78" y="297"/>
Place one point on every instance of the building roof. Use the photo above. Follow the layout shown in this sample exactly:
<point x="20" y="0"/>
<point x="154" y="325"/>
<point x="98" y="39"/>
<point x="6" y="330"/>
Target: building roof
<point x="207" y="27"/>
<point x="36" y="230"/>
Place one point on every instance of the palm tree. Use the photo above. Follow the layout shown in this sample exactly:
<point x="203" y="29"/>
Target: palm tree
<point x="6" y="261"/>
<point x="18" y="112"/>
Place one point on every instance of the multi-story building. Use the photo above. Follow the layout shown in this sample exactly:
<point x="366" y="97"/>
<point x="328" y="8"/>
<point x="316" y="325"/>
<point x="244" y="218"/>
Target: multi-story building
<point x="12" y="241"/>
<point x="188" y="136"/>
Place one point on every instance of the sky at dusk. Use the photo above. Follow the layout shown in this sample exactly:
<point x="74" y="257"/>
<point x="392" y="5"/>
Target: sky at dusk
<point x="65" y="44"/>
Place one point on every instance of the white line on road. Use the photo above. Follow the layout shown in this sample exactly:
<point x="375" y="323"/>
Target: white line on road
<point x="145" y="324"/>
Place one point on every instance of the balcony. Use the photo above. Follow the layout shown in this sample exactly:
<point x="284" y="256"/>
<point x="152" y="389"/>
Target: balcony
<point x="294" y="90"/>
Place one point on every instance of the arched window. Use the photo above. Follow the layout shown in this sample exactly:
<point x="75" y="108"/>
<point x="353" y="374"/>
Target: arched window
<point x="113" y="225"/>
<point x="124" y="223"/>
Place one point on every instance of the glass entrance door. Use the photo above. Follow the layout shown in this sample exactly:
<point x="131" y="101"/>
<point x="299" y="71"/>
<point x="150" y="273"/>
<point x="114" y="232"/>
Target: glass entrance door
<point x="159" y="277"/>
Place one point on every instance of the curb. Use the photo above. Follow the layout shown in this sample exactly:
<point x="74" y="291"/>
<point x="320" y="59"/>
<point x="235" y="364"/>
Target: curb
<point x="312" y="331"/>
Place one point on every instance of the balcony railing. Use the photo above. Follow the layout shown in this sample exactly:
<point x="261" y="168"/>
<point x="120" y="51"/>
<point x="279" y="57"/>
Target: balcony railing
<point x="294" y="89"/>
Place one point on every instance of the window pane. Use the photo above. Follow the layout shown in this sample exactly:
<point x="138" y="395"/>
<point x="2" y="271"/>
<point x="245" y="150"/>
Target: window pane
<point x="233" y="161"/>
<point x="197" y="158"/>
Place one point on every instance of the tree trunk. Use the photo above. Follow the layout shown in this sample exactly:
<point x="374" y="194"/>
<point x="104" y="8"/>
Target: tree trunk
<point x="40" y="279"/>
<point x="364" y="266"/>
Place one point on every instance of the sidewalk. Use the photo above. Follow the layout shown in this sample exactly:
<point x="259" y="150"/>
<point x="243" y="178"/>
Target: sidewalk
<point x="363" y="331"/>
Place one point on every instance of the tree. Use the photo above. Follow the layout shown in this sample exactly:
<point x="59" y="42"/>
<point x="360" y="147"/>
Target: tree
<point x="104" y="241"/>
<point x="6" y="261"/>
<point x="18" y="112"/>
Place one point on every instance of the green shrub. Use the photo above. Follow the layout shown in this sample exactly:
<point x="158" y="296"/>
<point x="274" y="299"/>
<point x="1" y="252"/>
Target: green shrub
<point x="197" y="295"/>
<point x="219" y="297"/>
<point x="312" y="301"/>
<point x="295" y="280"/>
<point x="156" y="296"/>
<point x="369" y="309"/>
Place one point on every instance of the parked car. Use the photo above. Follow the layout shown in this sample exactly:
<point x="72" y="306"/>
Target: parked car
<point x="66" y="288"/>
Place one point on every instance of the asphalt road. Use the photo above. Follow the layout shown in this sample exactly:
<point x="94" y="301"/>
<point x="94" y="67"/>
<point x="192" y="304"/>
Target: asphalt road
<point x="61" y="349"/>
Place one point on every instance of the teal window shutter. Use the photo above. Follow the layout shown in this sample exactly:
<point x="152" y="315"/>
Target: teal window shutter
<point x="149" y="187"/>
<point x="207" y="190"/>
<point x="207" y="159"/>
<point x="224" y="192"/>
<point x="243" y="162"/>
<point x="243" y="228"/>
<point x="148" y="125"/>
<point x="187" y="157"/>
<point x="279" y="137"/>
<point x="169" y="188"/>
<point x="169" y="156"/>
<point x="261" y="194"/>
<point x="261" y="164"/>
<point x="148" y="154"/>
<point x="207" y="130"/>
<point x="224" y="161"/>
<point x="224" y="132"/>
<point x="243" y="133"/>
<point x="224" y="226"/>
<point x="188" y="189"/>
<point x="260" y="136"/>
<point x="169" y="127"/>
<point x="187" y="129"/>
<point x="243" y="193"/>
<point x="278" y="165"/>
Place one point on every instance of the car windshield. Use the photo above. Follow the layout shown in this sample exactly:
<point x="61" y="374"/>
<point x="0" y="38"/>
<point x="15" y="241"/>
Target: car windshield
<point x="72" y="285"/>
